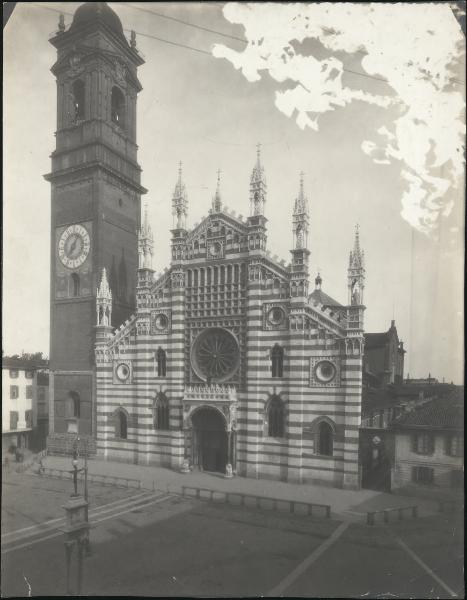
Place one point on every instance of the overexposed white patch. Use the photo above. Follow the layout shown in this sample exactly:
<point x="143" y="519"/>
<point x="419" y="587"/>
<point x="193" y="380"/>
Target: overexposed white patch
<point x="410" y="46"/>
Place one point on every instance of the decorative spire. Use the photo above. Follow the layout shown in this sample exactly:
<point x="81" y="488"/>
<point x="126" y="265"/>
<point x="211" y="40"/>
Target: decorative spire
<point x="258" y="187"/>
<point x="145" y="242"/>
<point x="146" y="230"/>
<point x="318" y="282"/>
<point x="356" y="272"/>
<point x="357" y="256"/>
<point x="104" y="291"/>
<point x="301" y="201"/>
<point x="300" y="218"/>
<point x="133" y="40"/>
<point x="216" y="201"/>
<point x="180" y="202"/>
<point x="104" y="301"/>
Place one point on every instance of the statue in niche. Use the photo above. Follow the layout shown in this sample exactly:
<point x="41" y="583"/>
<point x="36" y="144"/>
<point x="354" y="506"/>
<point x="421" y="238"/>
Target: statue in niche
<point x="257" y="204"/>
<point x="300" y="238"/>
<point x="355" y="292"/>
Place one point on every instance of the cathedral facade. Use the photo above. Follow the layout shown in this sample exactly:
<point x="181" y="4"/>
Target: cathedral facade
<point x="225" y="362"/>
<point x="228" y="363"/>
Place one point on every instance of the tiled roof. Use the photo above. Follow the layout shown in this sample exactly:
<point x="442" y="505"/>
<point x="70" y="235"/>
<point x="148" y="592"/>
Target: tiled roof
<point x="320" y="296"/>
<point x="439" y="413"/>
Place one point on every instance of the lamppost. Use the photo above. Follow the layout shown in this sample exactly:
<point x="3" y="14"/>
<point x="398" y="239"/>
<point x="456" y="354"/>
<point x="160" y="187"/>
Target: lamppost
<point x="77" y="522"/>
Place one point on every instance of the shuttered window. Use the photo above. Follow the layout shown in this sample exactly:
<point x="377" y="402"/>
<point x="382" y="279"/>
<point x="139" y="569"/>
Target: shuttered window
<point x="423" y="443"/>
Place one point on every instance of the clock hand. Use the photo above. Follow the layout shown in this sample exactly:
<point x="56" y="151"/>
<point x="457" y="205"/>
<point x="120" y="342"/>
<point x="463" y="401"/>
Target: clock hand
<point x="73" y="245"/>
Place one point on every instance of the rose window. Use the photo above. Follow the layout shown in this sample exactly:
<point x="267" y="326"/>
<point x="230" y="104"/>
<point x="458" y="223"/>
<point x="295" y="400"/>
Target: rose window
<point x="215" y="355"/>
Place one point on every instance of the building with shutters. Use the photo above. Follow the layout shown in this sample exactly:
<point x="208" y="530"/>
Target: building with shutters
<point x="429" y="445"/>
<point x="22" y="392"/>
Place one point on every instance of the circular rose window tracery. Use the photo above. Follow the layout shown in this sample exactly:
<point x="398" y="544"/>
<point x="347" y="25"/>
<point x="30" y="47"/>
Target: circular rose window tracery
<point x="215" y="355"/>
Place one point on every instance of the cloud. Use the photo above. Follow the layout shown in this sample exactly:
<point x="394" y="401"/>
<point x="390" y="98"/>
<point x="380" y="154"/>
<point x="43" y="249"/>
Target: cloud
<point x="412" y="47"/>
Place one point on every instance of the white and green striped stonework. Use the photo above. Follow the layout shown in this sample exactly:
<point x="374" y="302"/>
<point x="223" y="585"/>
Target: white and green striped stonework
<point x="216" y="314"/>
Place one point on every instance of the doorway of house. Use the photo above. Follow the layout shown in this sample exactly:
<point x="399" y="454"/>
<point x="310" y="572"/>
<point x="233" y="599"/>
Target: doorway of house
<point x="209" y="440"/>
<point x="376" y="463"/>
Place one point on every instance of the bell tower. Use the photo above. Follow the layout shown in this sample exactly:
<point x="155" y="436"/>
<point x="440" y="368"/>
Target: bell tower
<point x="96" y="203"/>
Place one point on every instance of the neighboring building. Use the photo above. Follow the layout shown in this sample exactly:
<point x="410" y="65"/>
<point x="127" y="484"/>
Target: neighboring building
<point x="228" y="361"/>
<point x="383" y="362"/>
<point x="380" y="408"/>
<point x="20" y="377"/>
<point x="429" y="444"/>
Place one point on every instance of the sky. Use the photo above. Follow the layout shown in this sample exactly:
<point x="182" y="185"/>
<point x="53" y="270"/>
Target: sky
<point x="378" y="144"/>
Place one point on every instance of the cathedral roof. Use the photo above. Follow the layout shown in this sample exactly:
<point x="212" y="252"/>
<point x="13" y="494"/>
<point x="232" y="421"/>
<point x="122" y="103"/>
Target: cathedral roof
<point x="324" y="299"/>
<point x="90" y="12"/>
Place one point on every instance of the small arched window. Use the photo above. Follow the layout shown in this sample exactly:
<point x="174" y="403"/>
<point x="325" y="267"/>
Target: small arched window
<point x="325" y="441"/>
<point x="78" y="100"/>
<point x="75" y="284"/>
<point x="121" y="425"/>
<point x="276" y="417"/>
<point x="277" y="361"/>
<point x="161" y="412"/>
<point x="117" y="108"/>
<point x="76" y="404"/>
<point x="161" y="357"/>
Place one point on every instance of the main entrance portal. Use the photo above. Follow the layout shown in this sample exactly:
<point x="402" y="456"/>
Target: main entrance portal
<point x="209" y="440"/>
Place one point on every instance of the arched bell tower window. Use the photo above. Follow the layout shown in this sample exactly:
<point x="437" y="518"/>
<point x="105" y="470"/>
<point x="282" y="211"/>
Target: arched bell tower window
<point x="161" y="412"/>
<point x="277" y="361"/>
<point x="161" y="357"/>
<point x="75" y="284"/>
<point x="117" y="110"/>
<point x="78" y="100"/>
<point x="276" y="417"/>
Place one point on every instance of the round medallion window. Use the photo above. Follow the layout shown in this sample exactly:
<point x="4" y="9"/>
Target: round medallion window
<point x="215" y="355"/>
<point x="123" y="371"/>
<point x="325" y="371"/>
<point x="276" y="315"/>
<point x="161" y="322"/>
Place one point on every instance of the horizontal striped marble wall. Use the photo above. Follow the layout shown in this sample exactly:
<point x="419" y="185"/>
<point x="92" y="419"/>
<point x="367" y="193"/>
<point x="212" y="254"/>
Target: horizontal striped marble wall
<point x="293" y="458"/>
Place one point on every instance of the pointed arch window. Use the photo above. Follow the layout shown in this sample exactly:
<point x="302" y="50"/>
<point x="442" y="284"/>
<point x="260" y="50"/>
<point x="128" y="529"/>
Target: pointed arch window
<point x="161" y="412"/>
<point x="276" y="417"/>
<point x="117" y="109"/>
<point x="325" y="441"/>
<point x="78" y="91"/>
<point x="121" y="425"/>
<point x="277" y="361"/>
<point x="75" y="284"/>
<point x="161" y="358"/>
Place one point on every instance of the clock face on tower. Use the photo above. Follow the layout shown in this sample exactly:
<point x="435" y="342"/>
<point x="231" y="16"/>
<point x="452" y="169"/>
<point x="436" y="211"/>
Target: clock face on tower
<point x="74" y="246"/>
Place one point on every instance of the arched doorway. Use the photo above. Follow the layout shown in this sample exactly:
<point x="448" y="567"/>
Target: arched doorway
<point x="209" y="440"/>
